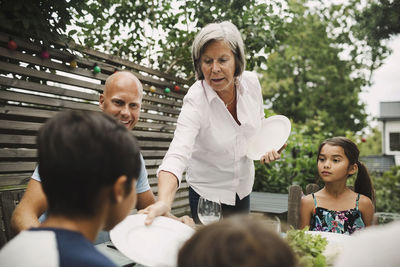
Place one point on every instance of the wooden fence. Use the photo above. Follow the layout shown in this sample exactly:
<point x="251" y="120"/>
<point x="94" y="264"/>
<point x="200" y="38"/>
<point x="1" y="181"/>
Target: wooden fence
<point x="34" y="88"/>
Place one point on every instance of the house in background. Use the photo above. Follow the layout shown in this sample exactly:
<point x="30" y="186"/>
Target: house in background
<point x="390" y="121"/>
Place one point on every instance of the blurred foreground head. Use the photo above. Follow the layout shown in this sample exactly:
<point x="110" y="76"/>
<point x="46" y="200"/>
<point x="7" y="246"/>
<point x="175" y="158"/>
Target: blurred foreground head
<point x="81" y="156"/>
<point x="238" y="241"/>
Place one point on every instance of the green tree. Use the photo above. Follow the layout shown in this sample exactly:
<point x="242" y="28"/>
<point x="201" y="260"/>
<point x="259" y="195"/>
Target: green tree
<point x="46" y="19"/>
<point x="160" y="32"/>
<point x="377" y="22"/>
<point x="387" y="190"/>
<point x="371" y="144"/>
<point x="307" y="79"/>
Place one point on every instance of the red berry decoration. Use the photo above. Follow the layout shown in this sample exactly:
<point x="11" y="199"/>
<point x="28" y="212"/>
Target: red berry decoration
<point x="177" y="88"/>
<point x="12" y="45"/>
<point x="44" y="54"/>
<point x="363" y="140"/>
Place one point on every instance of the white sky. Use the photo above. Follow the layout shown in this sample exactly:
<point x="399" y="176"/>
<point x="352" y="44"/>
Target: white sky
<point x="386" y="81"/>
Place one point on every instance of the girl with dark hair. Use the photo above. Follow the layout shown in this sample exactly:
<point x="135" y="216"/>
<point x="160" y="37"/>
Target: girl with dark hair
<point x="336" y="208"/>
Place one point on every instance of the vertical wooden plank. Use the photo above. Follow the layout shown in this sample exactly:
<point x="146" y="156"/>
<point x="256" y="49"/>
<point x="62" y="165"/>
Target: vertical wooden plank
<point x="3" y="238"/>
<point x="311" y="188"/>
<point x="8" y="201"/>
<point x="294" y="197"/>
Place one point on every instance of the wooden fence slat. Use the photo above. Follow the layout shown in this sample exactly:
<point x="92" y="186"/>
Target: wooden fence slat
<point x="162" y="100"/>
<point x="62" y="67"/>
<point x="152" y="144"/>
<point x="127" y="63"/>
<point x="27" y="112"/>
<point x="17" y="166"/>
<point x="17" y="153"/>
<point x="17" y="139"/>
<point x="61" y="103"/>
<point x="37" y="87"/>
<point x="42" y="88"/>
<point x="153" y="135"/>
<point x="15" y="179"/>
<point x="46" y="101"/>
<point x="67" y="56"/>
<point x="11" y="68"/>
<point x="50" y="64"/>
<point x="20" y="125"/>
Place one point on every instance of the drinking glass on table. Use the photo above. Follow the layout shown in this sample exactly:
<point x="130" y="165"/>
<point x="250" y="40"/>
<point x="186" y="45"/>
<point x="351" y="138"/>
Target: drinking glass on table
<point x="274" y="224"/>
<point x="208" y="211"/>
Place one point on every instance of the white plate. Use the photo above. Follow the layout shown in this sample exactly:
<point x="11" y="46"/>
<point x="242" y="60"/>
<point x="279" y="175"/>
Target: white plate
<point x="154" y="245"/>
<point x="274" y="132"/>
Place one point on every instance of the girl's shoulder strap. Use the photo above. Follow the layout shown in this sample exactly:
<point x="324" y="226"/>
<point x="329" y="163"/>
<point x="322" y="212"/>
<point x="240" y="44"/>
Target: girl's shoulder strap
<point x="315" y="200"/>
<point x="358" y="198"/>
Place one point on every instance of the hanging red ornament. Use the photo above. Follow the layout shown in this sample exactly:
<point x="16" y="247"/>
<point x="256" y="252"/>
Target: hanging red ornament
<point x="177" y="88"/>
<point x="12" y="45"/>
<point x="363" y="139"/>
<point x="96" y="69"/>
<point x="167" y="90"/>
<point x="45" y="54"/>
<point x="152" y="89"/>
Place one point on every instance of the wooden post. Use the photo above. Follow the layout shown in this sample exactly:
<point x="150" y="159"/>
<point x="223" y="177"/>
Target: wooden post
<point x="311" y="188"/>
<point x="294" y="197"/>
<point x="8" y="201"/>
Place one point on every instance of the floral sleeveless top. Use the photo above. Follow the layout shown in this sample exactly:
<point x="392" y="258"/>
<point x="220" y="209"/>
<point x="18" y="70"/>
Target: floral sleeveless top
<point x="342" y="222"/>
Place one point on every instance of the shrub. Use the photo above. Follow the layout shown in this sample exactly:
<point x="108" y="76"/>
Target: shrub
<point x="387" y="190"/>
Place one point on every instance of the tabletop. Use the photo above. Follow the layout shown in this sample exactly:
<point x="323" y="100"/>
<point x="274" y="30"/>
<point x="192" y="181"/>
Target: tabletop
<point x="110" y="251"/>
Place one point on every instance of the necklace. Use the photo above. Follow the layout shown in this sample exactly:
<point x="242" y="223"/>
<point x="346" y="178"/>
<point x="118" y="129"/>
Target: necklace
<point x="233" y="98"/>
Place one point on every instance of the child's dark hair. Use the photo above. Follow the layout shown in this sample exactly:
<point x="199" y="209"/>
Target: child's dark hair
<point x="363" y="183"/>
<point x="237" y="241"/>
<point x="81" y="153"/>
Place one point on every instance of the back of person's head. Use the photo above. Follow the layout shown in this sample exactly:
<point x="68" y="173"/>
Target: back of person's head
<point x="238" y="241"/>
<point x="80" y="154"/>
<point x="363" y="182"/>
<point x="222" y="31"/>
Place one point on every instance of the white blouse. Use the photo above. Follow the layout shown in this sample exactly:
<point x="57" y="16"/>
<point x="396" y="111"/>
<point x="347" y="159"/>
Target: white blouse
<point x="210" y="145"/>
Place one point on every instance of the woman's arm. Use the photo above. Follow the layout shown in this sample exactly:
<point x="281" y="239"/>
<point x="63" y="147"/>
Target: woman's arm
<point x="306" y="208"/>
<point x="167" y="186"/>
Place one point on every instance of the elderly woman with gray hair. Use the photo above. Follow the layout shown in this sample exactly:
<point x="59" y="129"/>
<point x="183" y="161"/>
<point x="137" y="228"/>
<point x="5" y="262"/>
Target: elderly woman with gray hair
<point x="222" y="110"/>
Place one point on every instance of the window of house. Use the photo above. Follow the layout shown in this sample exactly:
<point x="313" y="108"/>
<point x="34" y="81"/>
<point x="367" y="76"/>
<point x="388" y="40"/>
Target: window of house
<point x="394" y="141"/>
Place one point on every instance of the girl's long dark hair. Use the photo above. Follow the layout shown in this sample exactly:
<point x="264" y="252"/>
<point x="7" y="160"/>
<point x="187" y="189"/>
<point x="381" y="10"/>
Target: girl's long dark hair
<point x="363" y="183"/>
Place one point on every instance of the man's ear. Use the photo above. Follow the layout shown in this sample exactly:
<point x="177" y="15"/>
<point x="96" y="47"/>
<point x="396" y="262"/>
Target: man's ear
<point x="101" y="102"/>
<point x="119" y="188"/>
<point x="353" y="169"/>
